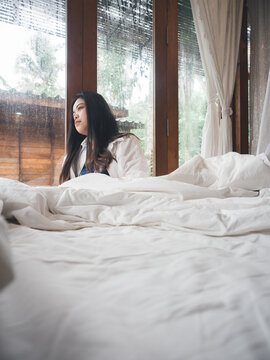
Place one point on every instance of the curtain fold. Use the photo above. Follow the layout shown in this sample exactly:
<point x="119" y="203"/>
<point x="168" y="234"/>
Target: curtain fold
<point x="259" y="15"/>
<point x="264" y="134"/>
<point x="218" y="28"/>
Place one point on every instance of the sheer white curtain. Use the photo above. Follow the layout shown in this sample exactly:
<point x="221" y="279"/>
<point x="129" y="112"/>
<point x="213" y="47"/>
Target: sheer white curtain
<point x="264" y="134"/>
<point x="218" y="27"/>
<point x="259" y="15"/>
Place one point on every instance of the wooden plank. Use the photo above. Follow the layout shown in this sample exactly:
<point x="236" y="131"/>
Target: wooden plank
<point x="31" y="150"/>
<point x="35" y="143"/>
<point x="172" y="85"/>
<point x="34" y="156"/>
<point x="36" y="134"/>
<point x="89" y="66"/>
<point x="36" y="172"/>
<point x="41" y="163"/>
<point x="10" y="139"/>
<point x="8" y="154"/>
<point x="8" y="151"/>
<point x="39" y="180"/>
<point x="74" y="51"/>
<point x="40" y="134"/>
<point x="81" y="49"/>
<point x="8" y="172"/>
<point x="9" y="167"/>
<point x="38" y="100"/>
<point x="8" y="160"/>
<point x="35" y="131"/>
<point x="10" y="176"/>
<point x="240" y="119"/>
<point x="59" y="150"/>
<point x="160" y="86"/>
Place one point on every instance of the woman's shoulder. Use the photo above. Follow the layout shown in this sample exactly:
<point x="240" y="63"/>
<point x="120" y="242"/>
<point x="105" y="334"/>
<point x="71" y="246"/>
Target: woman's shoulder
<point x="129" y="157"/>
<point x="123" y="138"/>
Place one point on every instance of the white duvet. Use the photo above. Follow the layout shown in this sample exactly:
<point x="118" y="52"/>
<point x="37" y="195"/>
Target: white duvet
<point x="182" y="200"/>
<point x="172" y="267"/>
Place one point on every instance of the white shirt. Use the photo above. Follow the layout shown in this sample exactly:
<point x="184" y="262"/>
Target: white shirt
<point x="129" y="158"/>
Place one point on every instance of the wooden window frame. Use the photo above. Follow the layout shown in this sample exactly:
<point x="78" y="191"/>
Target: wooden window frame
<point x="82" y="75"/>
<point x="82" y="71"/>
<point x="81" y="49"/>
<point x="165" y="55"/>
<point x="240" y="98"/>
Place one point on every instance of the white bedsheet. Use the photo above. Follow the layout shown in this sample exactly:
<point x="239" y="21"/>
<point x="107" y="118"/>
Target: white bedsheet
<point x="175" y="267"/>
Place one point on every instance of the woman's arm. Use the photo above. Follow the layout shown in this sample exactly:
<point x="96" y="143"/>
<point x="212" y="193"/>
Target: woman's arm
<point x="130" y="159"/>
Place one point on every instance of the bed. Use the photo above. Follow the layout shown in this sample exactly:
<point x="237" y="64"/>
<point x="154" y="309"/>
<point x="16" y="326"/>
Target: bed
<point x="170" y="267"/>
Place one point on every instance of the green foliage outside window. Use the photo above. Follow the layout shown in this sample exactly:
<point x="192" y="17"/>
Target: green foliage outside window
<point x="38" y="68"/>
<point x="118" y="77"/>
<point x="116" y="80"/>
<point x="192" y="111"/>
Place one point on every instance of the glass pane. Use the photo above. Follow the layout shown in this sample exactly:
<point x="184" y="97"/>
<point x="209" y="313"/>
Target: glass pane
<point x="125" y="66"/>
<point x="32" y="88"/>
<point x="191" y="79"/>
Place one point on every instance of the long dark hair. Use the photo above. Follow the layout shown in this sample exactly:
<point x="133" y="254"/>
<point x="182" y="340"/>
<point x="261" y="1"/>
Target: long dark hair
<point x="102" y="129"/>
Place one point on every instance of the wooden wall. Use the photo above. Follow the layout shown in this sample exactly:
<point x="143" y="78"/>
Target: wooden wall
<point x="32" y="143"/>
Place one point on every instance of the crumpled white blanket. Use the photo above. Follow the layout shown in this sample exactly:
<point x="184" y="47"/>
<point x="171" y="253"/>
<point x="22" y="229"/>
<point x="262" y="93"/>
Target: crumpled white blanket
<point x="216" y="196"/>
<point x="6" y="272"/>
<point x="138" y="292"/>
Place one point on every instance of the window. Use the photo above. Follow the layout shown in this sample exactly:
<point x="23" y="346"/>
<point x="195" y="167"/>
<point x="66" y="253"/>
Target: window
<point x="124" y="66"/>
<point x="191" y="88"/>
<point x="124" y="70"/>
<point x="32" y="88"/>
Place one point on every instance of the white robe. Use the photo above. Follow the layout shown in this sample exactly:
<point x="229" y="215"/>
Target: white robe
<point x="129" y="162"/>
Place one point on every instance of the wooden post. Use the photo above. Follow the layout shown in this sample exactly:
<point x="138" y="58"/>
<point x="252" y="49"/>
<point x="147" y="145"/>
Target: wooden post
<point x="51" y="135"/>
<point x="89" y="66"/>
<point x="81" y="49"/>
<point x="160" y="86"/>
<point x="172" y="85"/>
<point x="165" y="67"/>
<point x="240" y="121"/>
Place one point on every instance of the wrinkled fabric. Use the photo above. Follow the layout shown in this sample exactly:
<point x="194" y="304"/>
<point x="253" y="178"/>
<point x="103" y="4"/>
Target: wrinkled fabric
<point x="170" y="267"/>
<point x="181" y="200"/>
<point x="134" y="292"/>
<point x="6" y="271"/>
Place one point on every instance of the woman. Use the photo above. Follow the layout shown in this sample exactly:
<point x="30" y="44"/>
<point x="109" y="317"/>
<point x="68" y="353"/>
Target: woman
<point x="95" y="144"/>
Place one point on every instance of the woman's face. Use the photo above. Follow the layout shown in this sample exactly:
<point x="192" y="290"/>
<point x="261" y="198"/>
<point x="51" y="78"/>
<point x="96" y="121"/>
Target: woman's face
<point x="80" y="116"/>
